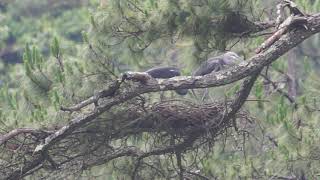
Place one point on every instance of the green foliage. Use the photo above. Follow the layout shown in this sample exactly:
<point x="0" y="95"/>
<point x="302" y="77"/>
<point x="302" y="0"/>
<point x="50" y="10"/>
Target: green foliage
<point x="132" y="27"/>
<point x="33" y="62"/>
<point x="55" y="48"/>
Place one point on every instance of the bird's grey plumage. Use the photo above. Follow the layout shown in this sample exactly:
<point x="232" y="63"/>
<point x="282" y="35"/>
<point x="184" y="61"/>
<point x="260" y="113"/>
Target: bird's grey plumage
<point x="165" y="73"/>
<point x="215" y="64"/>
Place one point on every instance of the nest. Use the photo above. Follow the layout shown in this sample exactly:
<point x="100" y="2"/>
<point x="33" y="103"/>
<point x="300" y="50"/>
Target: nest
<point x="183" y="117"/>
<point x="167" y="127"/>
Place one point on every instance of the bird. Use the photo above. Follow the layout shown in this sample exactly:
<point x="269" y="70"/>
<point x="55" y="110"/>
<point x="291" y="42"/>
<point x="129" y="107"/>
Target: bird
<point x="218" y="63"/>
<point x="165" y="73"/>
<point x="215" y="64"/>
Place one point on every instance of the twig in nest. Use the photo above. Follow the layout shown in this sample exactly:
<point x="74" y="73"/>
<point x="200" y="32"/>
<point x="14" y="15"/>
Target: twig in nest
<point x="187" y="143"/>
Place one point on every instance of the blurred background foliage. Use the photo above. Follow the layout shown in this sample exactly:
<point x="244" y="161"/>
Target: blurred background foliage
<point x="56" y="52"/>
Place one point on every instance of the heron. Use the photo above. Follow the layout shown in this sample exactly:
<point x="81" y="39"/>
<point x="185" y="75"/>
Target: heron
<point x="218" y="63"/>
<point x="165" y="73"/>
<point x="215" y="64"/>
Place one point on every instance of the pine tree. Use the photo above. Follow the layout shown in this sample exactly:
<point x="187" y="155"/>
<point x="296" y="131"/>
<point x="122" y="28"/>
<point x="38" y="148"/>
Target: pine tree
<point x="94" y="111"/>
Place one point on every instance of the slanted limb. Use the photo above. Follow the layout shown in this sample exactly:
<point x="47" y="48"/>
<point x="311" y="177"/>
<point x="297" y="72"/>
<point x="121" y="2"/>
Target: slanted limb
<point x="95" y="98"/>
<point x="291" y="21"/>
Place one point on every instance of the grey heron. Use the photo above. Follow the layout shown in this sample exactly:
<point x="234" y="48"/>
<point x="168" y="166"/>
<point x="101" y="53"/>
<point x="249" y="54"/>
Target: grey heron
<point x="215" y="64"/>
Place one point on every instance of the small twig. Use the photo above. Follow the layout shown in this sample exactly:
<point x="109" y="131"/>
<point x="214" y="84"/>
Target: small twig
<point x="275" y="86"/>
<point x="94" y="99"/>
<point x="97" y="56"/>
<point x="198" y="175"/>
<point x="187" y="143"/>
<point x="50" y="160"/>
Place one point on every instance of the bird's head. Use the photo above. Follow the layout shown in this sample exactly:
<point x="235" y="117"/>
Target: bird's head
<point x="230" y="58"/>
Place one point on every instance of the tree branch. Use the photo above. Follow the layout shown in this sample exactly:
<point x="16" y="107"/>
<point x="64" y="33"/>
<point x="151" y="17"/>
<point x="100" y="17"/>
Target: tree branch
<point x="5" y="137"/>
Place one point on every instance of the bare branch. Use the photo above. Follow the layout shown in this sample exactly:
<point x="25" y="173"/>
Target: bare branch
<point x="94" y="99"/>
<point x="275" y="86"/>
<point x="128" y="151"/>
<point x="283" y="28"/>
<point x="4" y="138"/>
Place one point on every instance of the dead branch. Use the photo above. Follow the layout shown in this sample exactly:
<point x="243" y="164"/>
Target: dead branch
<point x="5" y="137"/>
<point x="296" y="19"/>
<point x="275" y="86"/>
<point x="94" y="99"/>
<point x="283" y="28"/>
<point x="128" y="151"/>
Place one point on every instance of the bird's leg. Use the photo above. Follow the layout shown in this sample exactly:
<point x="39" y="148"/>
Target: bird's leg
<point x="205" y="94"/>
<point x="211" y="98"/>
<point x="162" y="96"/>
<point x="194" y="94"/>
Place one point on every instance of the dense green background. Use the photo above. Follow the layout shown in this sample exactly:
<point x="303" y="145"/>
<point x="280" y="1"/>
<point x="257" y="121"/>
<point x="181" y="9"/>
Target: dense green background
<point x="93" y="38"/>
